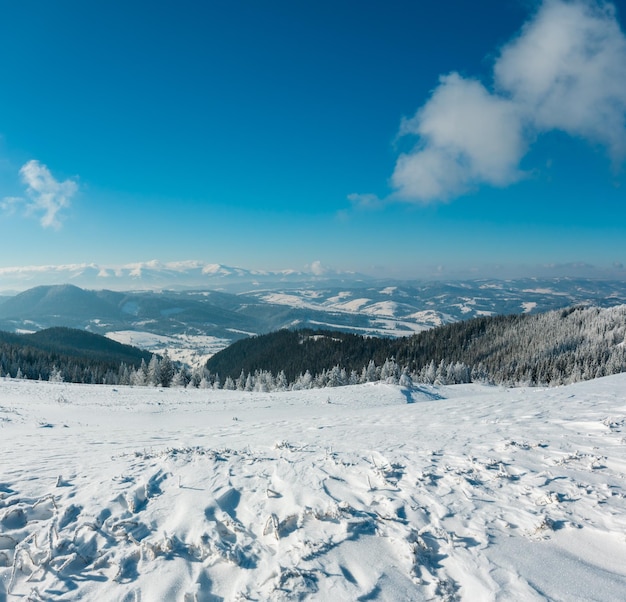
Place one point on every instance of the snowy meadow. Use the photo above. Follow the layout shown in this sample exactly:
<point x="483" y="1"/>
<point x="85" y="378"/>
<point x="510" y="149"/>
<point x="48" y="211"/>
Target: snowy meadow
<point x="367" y="492"/>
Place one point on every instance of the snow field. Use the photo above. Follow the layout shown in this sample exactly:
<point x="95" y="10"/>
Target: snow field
<point x="463" y="493"/>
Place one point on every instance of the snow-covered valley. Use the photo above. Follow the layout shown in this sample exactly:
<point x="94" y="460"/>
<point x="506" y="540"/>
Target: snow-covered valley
<point x="369" y="492"/>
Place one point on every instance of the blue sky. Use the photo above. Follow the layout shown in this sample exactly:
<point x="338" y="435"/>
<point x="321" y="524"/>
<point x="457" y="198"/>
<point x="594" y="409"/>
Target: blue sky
<point x="400" y="138"/>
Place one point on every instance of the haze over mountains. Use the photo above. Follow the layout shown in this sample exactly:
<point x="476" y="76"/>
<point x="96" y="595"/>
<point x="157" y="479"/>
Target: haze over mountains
<point x="193" y="274"/>
<point x="154" y="275"/>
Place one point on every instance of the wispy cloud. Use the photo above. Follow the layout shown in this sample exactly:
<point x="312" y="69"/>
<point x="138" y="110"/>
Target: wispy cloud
<point x="365" y="201"/>
<point x="566" y="70"/>
<point x="45" y="196"/>
<point x="9" y="204"/>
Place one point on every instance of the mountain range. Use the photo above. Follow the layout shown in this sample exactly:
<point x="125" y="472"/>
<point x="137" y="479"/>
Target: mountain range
<point x="194" y="324"/>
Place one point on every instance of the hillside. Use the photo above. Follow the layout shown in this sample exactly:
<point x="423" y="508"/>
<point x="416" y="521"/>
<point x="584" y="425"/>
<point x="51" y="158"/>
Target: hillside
<point x="549" y="348"/>
<point x="46" y="302"/>
<point x="103" y="311"/>
<point x="74" y="355"/>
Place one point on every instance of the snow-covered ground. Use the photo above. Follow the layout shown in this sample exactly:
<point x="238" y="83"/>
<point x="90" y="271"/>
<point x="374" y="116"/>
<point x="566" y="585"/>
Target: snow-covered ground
<point x="192" y="350"/>
<point x="370" y="492"/>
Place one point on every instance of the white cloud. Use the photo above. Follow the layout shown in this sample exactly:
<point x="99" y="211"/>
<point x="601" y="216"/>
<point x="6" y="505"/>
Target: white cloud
<point x="318" y="269"/>
<point x="467" y="136"/>
<point x="566" y="70"/>
<point x="9" y="204"/>
<point x="47" y="196"/>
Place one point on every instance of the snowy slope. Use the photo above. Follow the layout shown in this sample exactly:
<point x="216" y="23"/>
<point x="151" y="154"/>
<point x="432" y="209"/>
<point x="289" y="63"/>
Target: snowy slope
<point x="466" y="492"/>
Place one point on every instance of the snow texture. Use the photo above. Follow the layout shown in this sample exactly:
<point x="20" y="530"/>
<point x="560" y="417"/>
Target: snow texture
<point x="370" y="492"/>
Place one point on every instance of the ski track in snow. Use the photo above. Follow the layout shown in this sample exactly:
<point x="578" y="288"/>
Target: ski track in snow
<point x="464" y="493"/>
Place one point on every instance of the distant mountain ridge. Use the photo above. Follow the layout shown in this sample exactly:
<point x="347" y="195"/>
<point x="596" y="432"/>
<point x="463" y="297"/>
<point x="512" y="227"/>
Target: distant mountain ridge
<point x="57" y="300"/>
<point x="103" y="310"/>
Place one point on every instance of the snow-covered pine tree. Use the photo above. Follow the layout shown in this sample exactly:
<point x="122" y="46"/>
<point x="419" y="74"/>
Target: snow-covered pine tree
<point x="166" y="370"/>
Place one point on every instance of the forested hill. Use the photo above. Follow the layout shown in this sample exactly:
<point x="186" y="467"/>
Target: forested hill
<point x="76" y="355"/>
<point x="550" y="348"/>
<point x="296" y="351"/>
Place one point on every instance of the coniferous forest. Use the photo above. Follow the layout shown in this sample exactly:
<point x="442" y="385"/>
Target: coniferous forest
<point x="540" y="349"/>
<point x="67" y="354"/>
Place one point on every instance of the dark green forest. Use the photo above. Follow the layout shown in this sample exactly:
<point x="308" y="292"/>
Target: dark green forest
<point x="550" y="348"/>
<point x="66" y="354"/>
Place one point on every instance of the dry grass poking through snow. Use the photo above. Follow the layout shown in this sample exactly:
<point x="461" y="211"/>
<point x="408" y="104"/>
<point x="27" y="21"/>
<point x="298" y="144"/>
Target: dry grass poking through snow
<point x="468" y="493"/>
